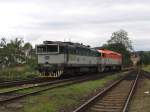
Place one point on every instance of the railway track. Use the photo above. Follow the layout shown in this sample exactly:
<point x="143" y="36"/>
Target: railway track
<point x="18" y="86"/>
<point x="146" y="74"/>
<point x="31" y="82"/>
<point x="16" y="94"/>
<point x="114" y="98"/>
<point x="40" y="83"/>
<point x="4" y="84"/>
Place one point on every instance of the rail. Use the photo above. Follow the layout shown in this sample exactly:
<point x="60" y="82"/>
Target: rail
<point x="102" y="96"/>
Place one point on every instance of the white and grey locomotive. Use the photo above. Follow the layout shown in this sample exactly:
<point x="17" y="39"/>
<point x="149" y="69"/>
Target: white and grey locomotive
<point x="57" y="58"/>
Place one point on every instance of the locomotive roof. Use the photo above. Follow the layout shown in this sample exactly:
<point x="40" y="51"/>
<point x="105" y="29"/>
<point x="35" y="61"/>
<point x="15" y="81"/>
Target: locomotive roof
<point x="66" y="44"/>
<point x="109" y="52"/>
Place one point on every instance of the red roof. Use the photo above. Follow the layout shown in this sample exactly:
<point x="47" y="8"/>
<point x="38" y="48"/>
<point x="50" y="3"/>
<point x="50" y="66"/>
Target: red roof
<point x="109" y="52"/>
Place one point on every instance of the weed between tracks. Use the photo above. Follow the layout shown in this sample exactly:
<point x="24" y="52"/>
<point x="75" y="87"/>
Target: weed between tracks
<point x="63" y="99"/>
<point x="141" y="100"/>
<point x="146" y="68"/>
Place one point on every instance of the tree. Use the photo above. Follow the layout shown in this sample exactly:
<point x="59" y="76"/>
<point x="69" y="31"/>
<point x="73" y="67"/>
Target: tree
<point x="3" y="52"/>
<point x="15" y="52"/>
<point x="17" y="44"/>
<point x="27" y="48"/>
<point x="121" y="37"/>
<point x="120" y="43"/>
<point x="11" y="53"/>
<point x="27" y="51"/>
<point x="3" y="42"/>
<point x="144" y="57"/>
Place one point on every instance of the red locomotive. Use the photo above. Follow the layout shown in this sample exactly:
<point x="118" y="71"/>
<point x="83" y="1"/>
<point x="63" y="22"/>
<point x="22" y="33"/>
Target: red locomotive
<point x="110" y="60"/>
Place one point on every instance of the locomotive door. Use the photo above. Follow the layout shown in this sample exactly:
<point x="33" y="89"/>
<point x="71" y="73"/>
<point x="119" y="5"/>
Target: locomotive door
<point x="66" y="57"/>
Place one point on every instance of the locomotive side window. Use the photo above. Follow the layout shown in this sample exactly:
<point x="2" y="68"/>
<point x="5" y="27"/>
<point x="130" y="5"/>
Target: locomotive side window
<point x="62" y="49"/>
<point x="71" y="50"/>
<point x="52" y="48"/>
<point x="98" y="54"/>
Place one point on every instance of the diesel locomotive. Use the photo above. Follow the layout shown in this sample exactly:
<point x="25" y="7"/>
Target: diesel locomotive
<point x="56" y="58"/>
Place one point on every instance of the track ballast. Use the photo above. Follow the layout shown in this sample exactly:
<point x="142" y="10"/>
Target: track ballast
<point x="114" y="98"/>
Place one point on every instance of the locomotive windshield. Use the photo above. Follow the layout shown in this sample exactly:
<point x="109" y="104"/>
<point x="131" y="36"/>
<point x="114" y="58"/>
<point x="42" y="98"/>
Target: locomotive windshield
<point x="52" y="48"/>
<point x="47" y="49"/>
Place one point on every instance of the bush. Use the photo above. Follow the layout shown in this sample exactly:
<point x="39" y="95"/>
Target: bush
<point x="18" y="72"/>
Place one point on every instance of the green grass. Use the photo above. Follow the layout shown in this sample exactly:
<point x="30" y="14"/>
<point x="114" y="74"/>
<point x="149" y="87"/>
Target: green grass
<point x="8" y="89"/>
<point x="29" y="90"/>
<point x="18" y="72"/>
<point x="141" y="101"/>
<point x="37" y="88"/>
<point x="14" y="88"/>
<point x="63" y="98"/>
<point x="146" y="68"/>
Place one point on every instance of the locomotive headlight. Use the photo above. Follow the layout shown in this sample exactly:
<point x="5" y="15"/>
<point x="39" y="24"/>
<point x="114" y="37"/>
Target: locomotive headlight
<point x="47" y="57"/>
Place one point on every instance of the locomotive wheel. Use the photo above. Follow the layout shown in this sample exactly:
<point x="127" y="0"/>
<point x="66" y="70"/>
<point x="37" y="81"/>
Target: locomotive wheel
<point x="101" y="69"/>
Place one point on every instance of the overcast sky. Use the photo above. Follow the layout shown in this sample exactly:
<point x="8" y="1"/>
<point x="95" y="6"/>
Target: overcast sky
<point x="88" y="21"/>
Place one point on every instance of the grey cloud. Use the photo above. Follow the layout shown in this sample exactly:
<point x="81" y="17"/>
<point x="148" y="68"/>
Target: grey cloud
<point x="88" y="21"/>
<point x="142" y="44"/>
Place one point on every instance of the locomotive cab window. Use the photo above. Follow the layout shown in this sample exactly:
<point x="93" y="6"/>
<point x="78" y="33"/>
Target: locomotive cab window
<point x="41" y="49"/>
<point x="52" y="48"/>
<point x="47" y="48"/>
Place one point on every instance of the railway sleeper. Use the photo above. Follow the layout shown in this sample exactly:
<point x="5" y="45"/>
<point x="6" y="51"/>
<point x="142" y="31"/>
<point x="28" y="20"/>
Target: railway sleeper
<point x="110" y="104"/>
<point x="107" y="106"/>
<point x="104" y="110"/>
